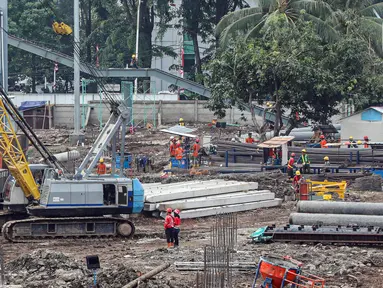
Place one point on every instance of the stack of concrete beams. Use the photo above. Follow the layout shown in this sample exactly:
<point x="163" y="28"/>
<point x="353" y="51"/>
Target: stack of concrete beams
<point x="338" y="213"/>
<point x="205" y="198"/>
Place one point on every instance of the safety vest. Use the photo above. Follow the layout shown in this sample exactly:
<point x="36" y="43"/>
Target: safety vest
<point x="179" y="153"/>
<point x="291" y="163"/>
<point x="305" y="159"/>
<point x="172" y="149"/>
<point x="323" y="143"/>
<point x="250" y="140"/>
<point x="196" y="148"/>
<point x="101" y="169"/>
<point x="169" y="222"/>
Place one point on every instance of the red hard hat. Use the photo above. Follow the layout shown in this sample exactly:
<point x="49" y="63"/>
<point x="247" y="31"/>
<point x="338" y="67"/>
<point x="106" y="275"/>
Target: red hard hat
<point x="177" y="211"/>
<point x="169" y="210"/>
<point x="365" y="137"/>
<point x="292" y="154"/>
<point x="321" y="136"/>
<point x="197" y="140"/>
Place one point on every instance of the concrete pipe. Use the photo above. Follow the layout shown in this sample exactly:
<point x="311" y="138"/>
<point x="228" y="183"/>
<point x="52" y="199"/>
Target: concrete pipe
<point x="335" y="219"/>
<point x="66" y="156"/>
<point x="340" y="207"/>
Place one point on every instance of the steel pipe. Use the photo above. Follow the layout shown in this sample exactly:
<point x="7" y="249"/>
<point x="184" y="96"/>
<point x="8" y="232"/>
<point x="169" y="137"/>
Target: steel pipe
<point x="340" y="207"/>
<point x="335" y="219"/>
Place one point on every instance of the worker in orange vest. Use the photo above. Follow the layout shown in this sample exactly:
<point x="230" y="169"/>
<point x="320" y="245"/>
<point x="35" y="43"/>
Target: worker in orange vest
<point x="250" y="139"/>
<point x="366" y="140"/>
<point x="169" y="227"/>
<point x="101" y="167"/>
<point x="290" y="166"/>
<point x="179" y="153"/>
<point x="323" y="142"/>
<point x="196" y="147"/>
<point x="177" y="224"/>
<point x="173" y="146"/>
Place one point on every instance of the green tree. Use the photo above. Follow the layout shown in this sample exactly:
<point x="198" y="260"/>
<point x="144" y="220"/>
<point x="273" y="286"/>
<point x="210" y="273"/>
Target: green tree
<point x="250" y="21"/>
<point x="290" y="66"/>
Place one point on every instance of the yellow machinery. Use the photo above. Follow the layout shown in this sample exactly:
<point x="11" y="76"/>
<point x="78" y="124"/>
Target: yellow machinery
<point x="14" y="156"/>
<point x="61" y="28"/>
<point x="326" y="189"/>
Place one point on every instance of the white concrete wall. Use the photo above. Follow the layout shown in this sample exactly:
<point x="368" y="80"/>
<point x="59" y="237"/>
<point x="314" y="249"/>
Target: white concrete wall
<point x="354" y="126"/>
<point x="69" y="98"/>
<point x="191" y="111"/>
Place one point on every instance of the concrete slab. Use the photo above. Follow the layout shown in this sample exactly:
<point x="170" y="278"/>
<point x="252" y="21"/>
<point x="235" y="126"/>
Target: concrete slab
<point x="218" y="200"/>
<point x="197" y="213"/>
<point x="184" y="186"/>
<point x="222" y="188"/>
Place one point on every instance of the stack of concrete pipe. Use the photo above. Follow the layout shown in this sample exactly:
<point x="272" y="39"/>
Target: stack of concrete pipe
<point x="338" y="213"/>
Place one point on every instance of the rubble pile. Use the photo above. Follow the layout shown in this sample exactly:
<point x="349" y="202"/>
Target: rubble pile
<point x="45" y="268"/>
<point x="368" y="183"/>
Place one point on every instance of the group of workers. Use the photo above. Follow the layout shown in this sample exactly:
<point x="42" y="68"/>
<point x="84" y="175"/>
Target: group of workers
<point x="172" y="225"/>
<point x="351" y="143"/>
<point x="177" y="151"/>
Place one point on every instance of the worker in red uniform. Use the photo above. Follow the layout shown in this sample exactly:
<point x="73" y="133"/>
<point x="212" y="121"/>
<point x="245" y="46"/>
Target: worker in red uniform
<point x="101" y="167"/>
<point x="250" y="139"/>
<point x="297" y="181"/>
<point x="323" y="142"/>
<point x="169" y="227"/>
<point x="196" y="147"/>
<point x="366" y="140"/>
<point x="179" y="154"/>
<point x="177" y="224"/>
<point x="290" y="166"/>
<point x="173" y="146"/>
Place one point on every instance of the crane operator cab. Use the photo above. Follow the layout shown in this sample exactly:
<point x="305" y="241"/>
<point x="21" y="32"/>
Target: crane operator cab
<point x="14" y="198"/>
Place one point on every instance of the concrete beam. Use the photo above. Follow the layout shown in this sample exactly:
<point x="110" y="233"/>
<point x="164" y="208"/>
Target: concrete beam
<point x="200" y="192"/>
<point x="335" y="219"/>
<point x="167" y="188"/>
<point x="197" y="213"/>
<point x="218" y="200"/>
<point x="325" y="207"/>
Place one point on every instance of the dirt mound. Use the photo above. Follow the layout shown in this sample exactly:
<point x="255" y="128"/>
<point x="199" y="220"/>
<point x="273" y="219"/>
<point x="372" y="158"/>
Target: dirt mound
<point x="48" y="269"/>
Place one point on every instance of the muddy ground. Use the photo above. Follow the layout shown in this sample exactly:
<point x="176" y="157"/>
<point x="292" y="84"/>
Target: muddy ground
<point x="42" y="264"/>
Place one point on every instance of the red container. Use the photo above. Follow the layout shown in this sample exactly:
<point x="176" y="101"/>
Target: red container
<point x="278" y="270"/>
<point x="304" y="191"/>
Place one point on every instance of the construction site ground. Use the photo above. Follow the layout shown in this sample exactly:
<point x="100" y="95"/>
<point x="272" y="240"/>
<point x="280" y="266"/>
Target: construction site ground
<point x="38" y="264"/>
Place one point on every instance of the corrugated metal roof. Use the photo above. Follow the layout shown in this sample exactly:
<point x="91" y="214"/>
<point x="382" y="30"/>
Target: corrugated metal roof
<point x="180" y="130"/>
<point x="276" y="142"/>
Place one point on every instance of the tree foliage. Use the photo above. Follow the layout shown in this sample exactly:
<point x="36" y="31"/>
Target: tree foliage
<point x="292" y="67"/>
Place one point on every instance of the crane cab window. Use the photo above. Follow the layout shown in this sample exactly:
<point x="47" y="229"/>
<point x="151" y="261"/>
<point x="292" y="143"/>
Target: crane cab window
<point x="122" y="195"/>
<point x="109" y="191"/>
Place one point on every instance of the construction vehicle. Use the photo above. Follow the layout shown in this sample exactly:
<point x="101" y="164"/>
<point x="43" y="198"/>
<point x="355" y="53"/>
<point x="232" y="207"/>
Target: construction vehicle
<point x="327" y="190"/>
<point x="64" y="205"/>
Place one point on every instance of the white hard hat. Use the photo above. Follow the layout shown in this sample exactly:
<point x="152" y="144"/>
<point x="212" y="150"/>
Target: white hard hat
<point x="171" y="137"/>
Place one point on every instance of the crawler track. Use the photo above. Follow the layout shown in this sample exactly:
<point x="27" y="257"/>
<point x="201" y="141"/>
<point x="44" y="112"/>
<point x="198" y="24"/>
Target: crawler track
<point x="32" y="229"/>
<point x="351" y="235"/>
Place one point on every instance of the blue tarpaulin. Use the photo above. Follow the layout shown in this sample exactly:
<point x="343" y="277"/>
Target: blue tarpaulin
<point x="27" y="105"/>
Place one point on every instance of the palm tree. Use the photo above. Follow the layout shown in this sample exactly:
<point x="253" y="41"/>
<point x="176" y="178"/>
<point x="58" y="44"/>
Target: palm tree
<point x="360" y="18"/>
<point x="250" y="21"/>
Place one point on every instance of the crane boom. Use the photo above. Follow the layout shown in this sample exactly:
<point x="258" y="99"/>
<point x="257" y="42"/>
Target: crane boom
<point x="14" y="156"/>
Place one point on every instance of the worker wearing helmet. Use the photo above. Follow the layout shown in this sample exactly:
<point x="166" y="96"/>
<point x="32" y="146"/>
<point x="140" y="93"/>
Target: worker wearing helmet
<point x="323" y="142"/>
<point x="133" y="61"/>
<point x="326" y="168"/>
<point x="196" y="147"/>
<point x="297" y="181"/>
<point x="101" y="167"/>
<point x="351" y="143"/>
<point x="169" y="227"/>
<point x="177" y="224"/>
<point x="290" y="166"/>
<point x="366" y="142"/>
<point x="250" y="139"/>
<point x="179" y="153"/>
<point x="304" y="159"/>
<point x="181" y="122"/>
<point x="173" y="146"/>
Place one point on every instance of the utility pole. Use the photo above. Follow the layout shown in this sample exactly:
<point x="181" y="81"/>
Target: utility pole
<point x="76" y="136"/>
<point x="137" y="39"/>
<point x="4" y="43"/>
